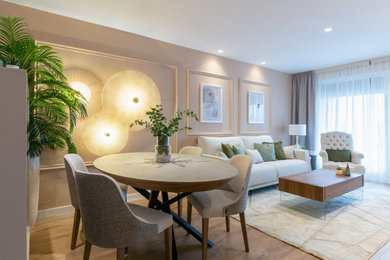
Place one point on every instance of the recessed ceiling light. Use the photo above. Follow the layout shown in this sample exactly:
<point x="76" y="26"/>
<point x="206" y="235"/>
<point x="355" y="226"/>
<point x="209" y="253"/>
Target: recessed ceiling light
<point x="220" y="51"/>
<point x="328" y="29"/>
<point x="263" y="63"/>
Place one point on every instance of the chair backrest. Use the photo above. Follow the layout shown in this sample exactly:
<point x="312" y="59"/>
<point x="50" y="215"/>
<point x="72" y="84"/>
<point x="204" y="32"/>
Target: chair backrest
<point x="107" y="219"/>
<point x="336" y="141"/>
<point x="73" y="163"/>
<point x="192" y="150"/>
<point x="240" y="184"/>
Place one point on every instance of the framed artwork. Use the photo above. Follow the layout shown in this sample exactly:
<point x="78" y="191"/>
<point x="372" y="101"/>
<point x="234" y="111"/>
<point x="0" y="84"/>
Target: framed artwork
<point x="255" y="107"/>
<point x="210" y="104"/>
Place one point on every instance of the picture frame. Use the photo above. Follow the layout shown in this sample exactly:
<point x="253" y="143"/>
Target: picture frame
<point x="256" y="109"/>
<point x="211" y="104"/>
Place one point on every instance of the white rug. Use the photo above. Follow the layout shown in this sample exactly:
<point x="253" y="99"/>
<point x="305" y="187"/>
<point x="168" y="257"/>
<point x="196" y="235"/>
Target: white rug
<point x="353" y="229"/>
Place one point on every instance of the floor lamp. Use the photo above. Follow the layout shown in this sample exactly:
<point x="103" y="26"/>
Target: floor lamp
<point x="297" y="130"/>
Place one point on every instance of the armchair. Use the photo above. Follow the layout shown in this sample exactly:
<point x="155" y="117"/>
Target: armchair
<point x="340" y="141"/>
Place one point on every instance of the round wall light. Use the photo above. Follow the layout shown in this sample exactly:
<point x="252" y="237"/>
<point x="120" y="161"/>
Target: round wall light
<point x="105" y="134"/>
<point x="130" y="94"/>
<point x="82" y="88"/>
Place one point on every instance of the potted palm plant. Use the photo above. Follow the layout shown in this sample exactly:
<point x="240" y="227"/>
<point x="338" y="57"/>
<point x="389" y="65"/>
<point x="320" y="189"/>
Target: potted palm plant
<point x="162" y="129"/>
<point x="53" y="105"/>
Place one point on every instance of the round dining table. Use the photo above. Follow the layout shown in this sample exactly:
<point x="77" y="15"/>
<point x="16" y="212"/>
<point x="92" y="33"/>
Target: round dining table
<point x="183" y="175"/>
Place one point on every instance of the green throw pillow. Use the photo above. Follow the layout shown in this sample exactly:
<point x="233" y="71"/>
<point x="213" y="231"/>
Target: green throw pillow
<point x="279" y="153"/>
<point x="238" y="149"/>
<point x="339" y="155"/>
<point x="267" y="151"/>
<point x="228" y="150"/>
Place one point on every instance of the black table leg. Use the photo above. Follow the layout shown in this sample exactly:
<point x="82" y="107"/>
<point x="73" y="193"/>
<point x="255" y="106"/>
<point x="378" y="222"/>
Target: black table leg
<point x="180" y="221"/>
<point x="168" y="210"/>
<point x="153" y="198"/>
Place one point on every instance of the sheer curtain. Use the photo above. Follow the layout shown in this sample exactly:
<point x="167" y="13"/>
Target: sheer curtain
<point x="355" y="99"/>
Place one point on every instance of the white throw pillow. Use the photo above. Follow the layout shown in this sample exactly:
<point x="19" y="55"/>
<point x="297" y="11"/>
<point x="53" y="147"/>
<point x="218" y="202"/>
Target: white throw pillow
<point x="222" y="154"/>
<point x="256" y="156"/>
<point x="289" y="152"/>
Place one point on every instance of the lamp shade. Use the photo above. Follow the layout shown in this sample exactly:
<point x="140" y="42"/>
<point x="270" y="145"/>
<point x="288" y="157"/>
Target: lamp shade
<point x="297" y="129"/>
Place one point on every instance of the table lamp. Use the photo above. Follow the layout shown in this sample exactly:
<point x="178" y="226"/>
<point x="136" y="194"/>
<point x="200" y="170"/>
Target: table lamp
<point x="297" y="130"/>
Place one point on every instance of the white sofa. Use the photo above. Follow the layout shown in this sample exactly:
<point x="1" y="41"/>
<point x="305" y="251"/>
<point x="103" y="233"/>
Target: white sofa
<point x="265" y="173"/>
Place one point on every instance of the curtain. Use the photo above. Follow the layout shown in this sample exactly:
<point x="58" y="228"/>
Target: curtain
<point x="354" y="99"/>
<point x="303" y="105"/>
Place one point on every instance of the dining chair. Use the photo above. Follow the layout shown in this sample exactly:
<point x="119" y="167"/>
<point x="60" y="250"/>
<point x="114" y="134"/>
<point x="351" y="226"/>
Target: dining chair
<point x="110" y="222"/>
<point x="73" y="162"/>
<point x="191" y="150"/>
<point x="230" y="200"/>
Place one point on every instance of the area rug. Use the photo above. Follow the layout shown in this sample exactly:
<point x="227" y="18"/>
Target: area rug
<point x="353" y="229"/>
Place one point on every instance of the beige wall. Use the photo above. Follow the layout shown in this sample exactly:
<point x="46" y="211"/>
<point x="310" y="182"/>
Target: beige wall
<point x="70" y="32"/>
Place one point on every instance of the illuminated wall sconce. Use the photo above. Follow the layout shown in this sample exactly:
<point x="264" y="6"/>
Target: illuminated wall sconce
<point x="105" y="134"/>
<point x="130" y="94"/>
<point x="87" y="84"/>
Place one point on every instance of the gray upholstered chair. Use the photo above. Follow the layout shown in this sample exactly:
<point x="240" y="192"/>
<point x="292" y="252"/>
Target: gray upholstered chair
<point x="340" y="141"/>
<point x="110" y="222"/>
<point x="191" y="150"/>
<point x="230" y="200"/>
<point x="73" y="162"/>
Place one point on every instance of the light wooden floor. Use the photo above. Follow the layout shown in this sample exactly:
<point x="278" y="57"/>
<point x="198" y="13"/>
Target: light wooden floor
<point x="50" y="239"/>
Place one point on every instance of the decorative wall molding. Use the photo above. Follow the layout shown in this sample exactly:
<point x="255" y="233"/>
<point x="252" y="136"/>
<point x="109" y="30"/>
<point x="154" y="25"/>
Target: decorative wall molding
<point x="189" y="72"/>
<point x="242" y="118"/>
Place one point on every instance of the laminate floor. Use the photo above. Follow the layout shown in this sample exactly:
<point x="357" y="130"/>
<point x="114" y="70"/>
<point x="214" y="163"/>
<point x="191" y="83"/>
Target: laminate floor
<point x="50" y="239"/>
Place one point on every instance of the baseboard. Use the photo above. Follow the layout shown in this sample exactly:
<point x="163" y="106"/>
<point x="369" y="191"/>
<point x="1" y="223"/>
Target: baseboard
<point x="44" y="213"/>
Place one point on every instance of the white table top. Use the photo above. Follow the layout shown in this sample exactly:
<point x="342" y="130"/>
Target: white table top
<point x="185" y="173"/>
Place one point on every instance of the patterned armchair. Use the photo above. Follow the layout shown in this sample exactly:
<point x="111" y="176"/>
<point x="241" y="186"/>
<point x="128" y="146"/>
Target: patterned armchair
<point x="340" y="141"/>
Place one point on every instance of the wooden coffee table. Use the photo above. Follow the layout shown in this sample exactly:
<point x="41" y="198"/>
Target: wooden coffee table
<point x="320" y="185"/>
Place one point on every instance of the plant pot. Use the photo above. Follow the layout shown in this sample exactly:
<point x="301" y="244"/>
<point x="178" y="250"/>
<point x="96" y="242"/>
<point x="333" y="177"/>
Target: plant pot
<point x="32" y="190"/>
<point x="10" y="66"/>
<point x="163" y="149"/>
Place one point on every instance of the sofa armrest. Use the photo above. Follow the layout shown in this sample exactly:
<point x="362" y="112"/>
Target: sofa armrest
<point x="357" y="157"/>
<point x="302" y="155"/>
<point x="216" y="157"/>
<point x="324" y="156"/>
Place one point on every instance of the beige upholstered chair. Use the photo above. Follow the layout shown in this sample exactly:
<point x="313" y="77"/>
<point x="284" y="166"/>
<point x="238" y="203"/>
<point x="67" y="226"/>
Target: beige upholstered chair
<point x="110" y="222"/>
<point x="340" y="141"/>
<point x="224" y="202"/>
<point x="191" y="150"/>
<point x="74" y="162"/>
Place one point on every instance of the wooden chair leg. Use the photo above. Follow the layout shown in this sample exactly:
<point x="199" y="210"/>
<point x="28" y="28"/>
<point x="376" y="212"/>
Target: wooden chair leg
<point x="243" y="228"/>
<point x="120" y="253"/>
<point x="75" y="231"/>
<point x="87" y="250"/>
<point x="205" y="234"/>
<point x="179" y="207"/>
<point x="227" y="219"/>
<point x="189" y="213"/>
<point x="168" y="243"/>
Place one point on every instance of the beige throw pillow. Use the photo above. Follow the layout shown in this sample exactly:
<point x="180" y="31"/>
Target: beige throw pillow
<point x="289" y="152"/>
<point x="256" y="156"/>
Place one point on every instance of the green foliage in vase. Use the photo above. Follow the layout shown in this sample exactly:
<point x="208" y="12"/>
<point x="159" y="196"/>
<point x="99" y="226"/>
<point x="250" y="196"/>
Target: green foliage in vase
<point x="53" y="105"/>
<point x="339" y="168"/>
<point x="159" y="125"/>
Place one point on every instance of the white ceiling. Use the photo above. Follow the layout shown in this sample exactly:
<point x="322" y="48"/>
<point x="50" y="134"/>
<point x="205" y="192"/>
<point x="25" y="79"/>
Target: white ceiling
<point x="287" y="34"/>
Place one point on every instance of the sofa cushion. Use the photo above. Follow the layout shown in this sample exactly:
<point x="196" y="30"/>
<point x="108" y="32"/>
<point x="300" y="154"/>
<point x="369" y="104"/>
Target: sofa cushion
<point x="238" y="149"/>
<point x="289" y="152"/>
<point x="288" y="167"/>
<point x="212" y="145"/>
<point x="267" y="151"/>
<point x="256" y="156"/>
<point x="262" y="173"/>
<point x="228" y="150"/>
<point x="250" y="140"/>
<point x="279" y="153"/>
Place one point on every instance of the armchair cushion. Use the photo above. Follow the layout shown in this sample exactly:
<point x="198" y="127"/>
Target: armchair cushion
<point x="339" y="155"/>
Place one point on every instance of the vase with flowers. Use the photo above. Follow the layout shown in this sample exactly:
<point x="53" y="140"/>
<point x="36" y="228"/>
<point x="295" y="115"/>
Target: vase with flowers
<point x="162" y="129"/>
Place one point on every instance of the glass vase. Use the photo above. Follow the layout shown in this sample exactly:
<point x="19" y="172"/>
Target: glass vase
<point x="163" y="149"/>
